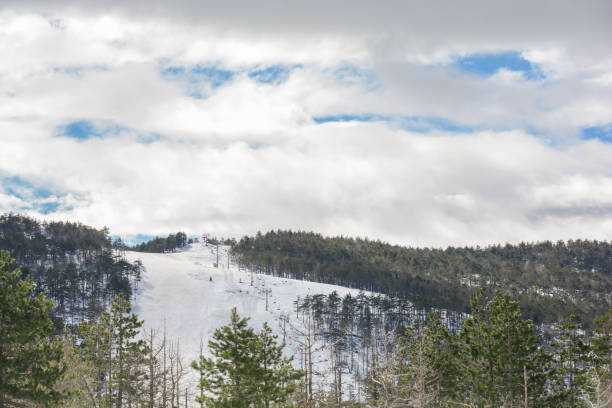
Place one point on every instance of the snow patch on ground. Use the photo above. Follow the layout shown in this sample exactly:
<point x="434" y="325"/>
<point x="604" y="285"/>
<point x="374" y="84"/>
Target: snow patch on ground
<point x="176" y="291"/>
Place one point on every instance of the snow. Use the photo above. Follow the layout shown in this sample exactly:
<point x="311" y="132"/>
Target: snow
<point x="176" y="291"/>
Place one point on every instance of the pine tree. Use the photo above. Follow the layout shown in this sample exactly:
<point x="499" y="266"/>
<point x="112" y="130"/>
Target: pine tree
<point x="418" y="379"/>
<point x="598" y="384"/>
<point x="29" y="362"/>
<point x="117" y="355"/>
<point x="500" y="353"/>
<point x="77" y="380"/>
<point x="572" y="352"/>
<point x="247" y="368"/>
<point x="229" y="378"/>
<point x="601" y="343"/>
<point x="440" y="352"/>
<point x="276" y="374"/>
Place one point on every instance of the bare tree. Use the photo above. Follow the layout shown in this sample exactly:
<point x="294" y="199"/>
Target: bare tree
<point x="177" y="373"/>
<point x="154" y="369"/>
<point x="600" y="395"/>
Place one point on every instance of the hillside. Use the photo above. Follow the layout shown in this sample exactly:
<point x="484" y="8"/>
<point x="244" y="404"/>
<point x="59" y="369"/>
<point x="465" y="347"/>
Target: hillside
<point x="551" y="280"/>
<point x="176" y="292"/>
<point x="74" y="264"/>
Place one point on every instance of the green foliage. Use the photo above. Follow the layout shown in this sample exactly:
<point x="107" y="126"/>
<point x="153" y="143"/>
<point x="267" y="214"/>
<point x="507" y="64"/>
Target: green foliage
<point x="112" y="346"/>
<point x="498" y="349"/>
<point x="276" y="374"/>
<point x="572" y="353"/>
<point x="550" y="280"/>
<point x="73" y="264"/>
<point x="29" y="362"/>
<point x="440" y="348"/>
<point x="160" y="245"/>
<point x="601" y="342"/>
<point x="498" y="359"/>
<point x="598" y="381"/>
<point x="247" y="368"/>
<point x="79" y="374"/>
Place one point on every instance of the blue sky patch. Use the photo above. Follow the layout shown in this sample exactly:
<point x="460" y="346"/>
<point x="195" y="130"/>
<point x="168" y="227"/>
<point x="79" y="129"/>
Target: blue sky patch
<point x="36" y="197"/>
<point x="368" y="117"/>
<point x="213" y="75"/>
<point x="603" y="133"/>
<point x="135" y="239"/>
<point x="273" y="75"/>
<point x="418" y="124"/>
<point x="48" y="207"/>
<point x="23" y="189"/>
<point x="197" y="80"/>
<point x="87" y="129"/>
<point x="425" y="124"/>
<point x="487" y="64"/>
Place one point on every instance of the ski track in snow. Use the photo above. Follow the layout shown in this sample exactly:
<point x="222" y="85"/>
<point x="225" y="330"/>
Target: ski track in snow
<point x="176" y="291"/>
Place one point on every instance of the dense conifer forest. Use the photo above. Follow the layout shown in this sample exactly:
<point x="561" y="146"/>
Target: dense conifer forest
<point x="550" y="280"/>
<point x="75" y="265"/>
<point x="160" y="245"/>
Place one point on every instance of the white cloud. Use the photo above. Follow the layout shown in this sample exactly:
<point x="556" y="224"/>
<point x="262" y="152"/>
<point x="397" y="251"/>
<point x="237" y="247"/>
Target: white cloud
<point x="249" y="157"/>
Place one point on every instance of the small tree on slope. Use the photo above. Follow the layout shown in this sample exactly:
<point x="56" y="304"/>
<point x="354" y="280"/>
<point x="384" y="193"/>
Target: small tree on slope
<point x="247" y="369"/>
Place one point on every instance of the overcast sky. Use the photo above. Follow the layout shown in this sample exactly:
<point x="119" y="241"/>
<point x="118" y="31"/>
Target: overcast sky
<point x="427" y="124"/>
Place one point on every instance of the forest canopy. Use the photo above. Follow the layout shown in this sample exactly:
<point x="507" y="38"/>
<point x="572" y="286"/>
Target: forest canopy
<point x="551" y="280"/>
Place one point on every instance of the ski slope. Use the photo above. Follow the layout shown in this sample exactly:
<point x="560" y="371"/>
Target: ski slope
<point x="176" y="291"/>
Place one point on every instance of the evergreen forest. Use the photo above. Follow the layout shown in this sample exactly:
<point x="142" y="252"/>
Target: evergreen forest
<point x="550" y="280"/>
<point x="160" y="245"/>
<point x="75" y="265"/>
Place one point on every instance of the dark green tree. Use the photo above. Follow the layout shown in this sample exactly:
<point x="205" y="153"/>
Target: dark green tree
<point x="117" y="354"/>
<point x="601" y="342"/>
<point x="571" y="349"/>
<point x="598" y="384"/>
<point x="247" y="368"/>
<point x="500" y="355"/>
<point x="228" y="379"/>
<point x="440" y="352"/>
<point x="276" y="376"/>
<point x="29" y="362"/>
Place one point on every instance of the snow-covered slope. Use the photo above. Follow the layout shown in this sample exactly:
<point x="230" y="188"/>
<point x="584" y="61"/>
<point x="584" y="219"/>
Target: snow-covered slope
<point x="176" y="290"/>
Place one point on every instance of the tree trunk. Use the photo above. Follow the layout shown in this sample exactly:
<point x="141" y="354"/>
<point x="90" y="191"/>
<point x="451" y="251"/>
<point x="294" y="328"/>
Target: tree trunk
<point x="525" y="384"/>
<point x="121" y="371"/>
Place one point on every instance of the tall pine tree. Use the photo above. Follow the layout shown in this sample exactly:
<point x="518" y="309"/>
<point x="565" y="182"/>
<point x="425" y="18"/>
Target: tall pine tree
<point x="247" y="368"/>
<point x="277" y="377"/>
<point x="229" y="378"/>
<point x="29" y="362"/>
<point x="117" y="354"/>
<point x="500" y="355"/>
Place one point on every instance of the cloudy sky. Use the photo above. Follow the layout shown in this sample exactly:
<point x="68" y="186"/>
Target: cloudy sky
<point x="421" y="123"/>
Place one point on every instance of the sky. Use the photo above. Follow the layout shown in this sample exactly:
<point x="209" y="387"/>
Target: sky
<point x="418" y="123"/>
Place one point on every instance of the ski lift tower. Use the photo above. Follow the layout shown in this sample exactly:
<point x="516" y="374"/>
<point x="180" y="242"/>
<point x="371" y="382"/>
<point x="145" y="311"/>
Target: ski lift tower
<point x="252" y="247"/>
<point x="267" y="291"/>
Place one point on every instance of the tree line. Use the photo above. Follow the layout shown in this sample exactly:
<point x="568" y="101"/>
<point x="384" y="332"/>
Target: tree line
<point x="73" y="264"/>
<point x="161" y="245"/>
<point x="550" y="280"/>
